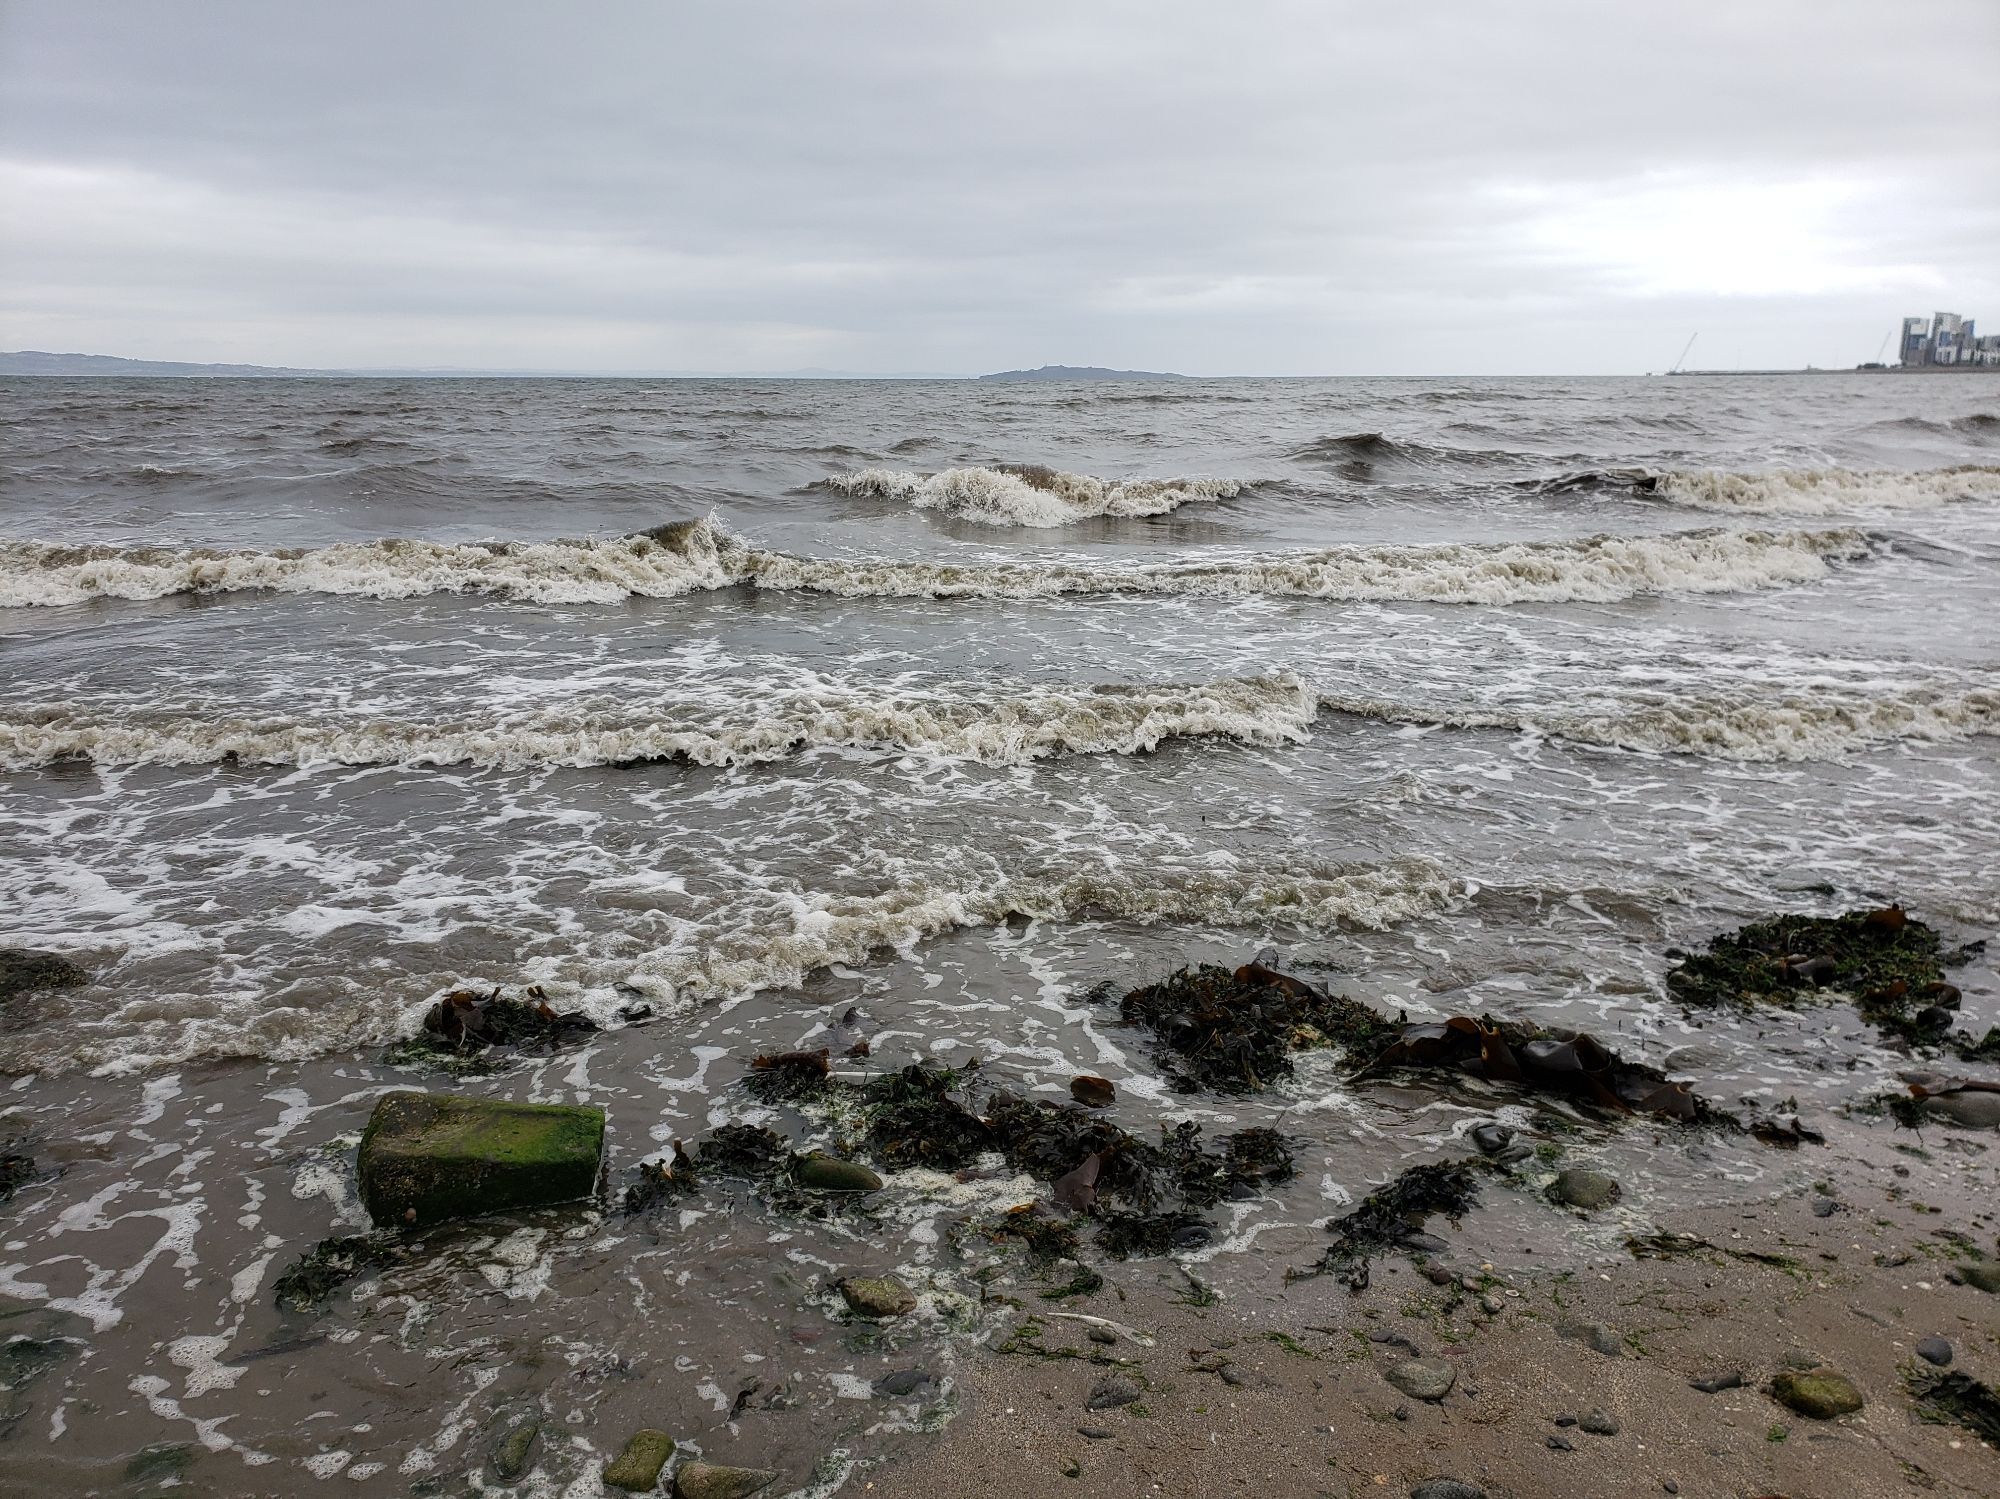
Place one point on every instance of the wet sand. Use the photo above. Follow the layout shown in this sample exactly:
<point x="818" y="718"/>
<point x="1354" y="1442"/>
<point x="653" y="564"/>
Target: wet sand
<point x="1285" y="1394"/>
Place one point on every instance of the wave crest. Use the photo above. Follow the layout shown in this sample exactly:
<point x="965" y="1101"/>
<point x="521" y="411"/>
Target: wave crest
<point x="995" y="729"/>
<point x="1781" y="726"/>
<point x="1028" y="494"/>
<point x="1822" y="491"/>
<point x="699" y="555"/>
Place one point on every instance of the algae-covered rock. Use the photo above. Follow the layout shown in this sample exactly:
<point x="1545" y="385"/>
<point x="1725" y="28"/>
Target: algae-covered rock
<point x="1821" y="1393"/>
<point x="510" y="1458"/>
<point x="1981" y="1277"/>
<point x="637" y="1468"/>
<point x="23" y="971"/>
<point x="426" y="1157"/>
<point x="826" y="1173"/>
<point x="878" y="1296"/>
<point x="714" y="1481"/>
<point x="1579" y="1188"/>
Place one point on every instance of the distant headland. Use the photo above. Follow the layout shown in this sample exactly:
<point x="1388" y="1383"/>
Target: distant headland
<point x="37" y="362"/>
<point x="1080" y="372"/>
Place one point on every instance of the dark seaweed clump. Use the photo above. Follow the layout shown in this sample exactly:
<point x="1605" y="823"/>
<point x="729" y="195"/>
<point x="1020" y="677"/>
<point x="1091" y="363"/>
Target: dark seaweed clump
<point x="1146" y="1199"/>
<point x="1236" y="1030"/>
<point x="312" y="1279"/>
<point x="462" y="1029"/>
<point x="17" y="1171"/>
<point x="661" y="1182"/>
<point x="744" y="1150"/>
<point x="913" y="1120"/>
<point x="1391" y="1215"/>
<point x="1574" y="1065"/>
<point x="1956" y="1398"/>
<point x="1892" y="964"/>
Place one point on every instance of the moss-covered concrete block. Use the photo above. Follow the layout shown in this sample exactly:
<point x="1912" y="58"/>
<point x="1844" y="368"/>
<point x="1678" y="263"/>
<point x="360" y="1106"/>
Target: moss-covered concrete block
<point x="427" y="1157"/>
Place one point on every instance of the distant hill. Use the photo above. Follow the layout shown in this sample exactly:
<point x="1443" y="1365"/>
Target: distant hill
<point x="35" y="362"/>
<point x="1080" y="372"/>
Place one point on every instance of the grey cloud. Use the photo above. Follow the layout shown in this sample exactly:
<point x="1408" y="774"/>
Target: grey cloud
<point x="1265" y="187"/>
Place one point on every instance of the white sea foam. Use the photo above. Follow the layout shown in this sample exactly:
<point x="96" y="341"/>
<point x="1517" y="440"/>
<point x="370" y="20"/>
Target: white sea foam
<point x="1784" y="724"/>
<point x="1030" y="496"/>
<point x="754" y="939"/>
<point x="1008" y="728"/>
<point x="1824" y="491"/>
<point x="695" y="555"/>
<point x="822" y="930"/>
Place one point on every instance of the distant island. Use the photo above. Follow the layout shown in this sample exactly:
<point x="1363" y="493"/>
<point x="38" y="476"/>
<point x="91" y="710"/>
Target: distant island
<point x="1080" y="372"/>
<point x="36" y="362"/>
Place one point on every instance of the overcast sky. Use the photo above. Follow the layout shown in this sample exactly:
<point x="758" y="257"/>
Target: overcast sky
<point x="1430" y="186"/>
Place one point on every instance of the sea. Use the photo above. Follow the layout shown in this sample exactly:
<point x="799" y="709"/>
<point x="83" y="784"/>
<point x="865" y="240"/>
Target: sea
<point x="744" y="716"/>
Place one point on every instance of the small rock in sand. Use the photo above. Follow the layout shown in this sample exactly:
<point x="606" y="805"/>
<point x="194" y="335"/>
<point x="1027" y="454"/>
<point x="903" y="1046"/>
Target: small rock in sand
<point x="1599" y="1423"/>
<point x="1112" y="1392"/>
<point x="1984" y="1277"/>
<point x="1421" y="1379"/>
<point x="1715" y="1384"/>
<point x="713" y="1481"/>
<point x="1934" y="1351"/>
<point x="1821" y="1394"/>
<point x="879" y="1296"/>
<point x="1447" y="1488"/>
<point x="1596" y="1334"/>
<point x="1580" y="1188"/>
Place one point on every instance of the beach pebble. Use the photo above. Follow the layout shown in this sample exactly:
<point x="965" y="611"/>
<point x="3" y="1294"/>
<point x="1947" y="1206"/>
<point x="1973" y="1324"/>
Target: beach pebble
<point x="1112" y="1392"/>
<point x="879" y="1296"/>
<point x="1821" y="1394"/>
<point x="902" y="1382"/>
<point x="1715" y="1384"/>
<point x="1599" y="1423"/>
<point x="1581" y="1188"/>
<point x="714" y="1481"/>
<point x="1984" y="1277"/>
<point x="1447" y="1488"/>
<point x="1934" y="1351"/>
<point x="1093" y="1092"/>
<point x="1596" y="1334"/>
<point x="1095" y="1433"/>
<point x="1421" y="1379"/>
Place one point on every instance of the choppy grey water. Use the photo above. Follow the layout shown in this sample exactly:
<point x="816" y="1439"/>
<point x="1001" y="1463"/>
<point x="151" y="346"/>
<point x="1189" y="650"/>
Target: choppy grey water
<point x="754" y="701"/>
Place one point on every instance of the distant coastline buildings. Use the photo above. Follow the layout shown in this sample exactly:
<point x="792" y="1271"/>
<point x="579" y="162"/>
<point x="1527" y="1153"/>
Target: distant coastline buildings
<point x="1945" y="338"/>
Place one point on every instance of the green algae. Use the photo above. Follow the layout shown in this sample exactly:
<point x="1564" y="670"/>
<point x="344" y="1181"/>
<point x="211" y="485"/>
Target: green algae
<point x="427" y="1157"/>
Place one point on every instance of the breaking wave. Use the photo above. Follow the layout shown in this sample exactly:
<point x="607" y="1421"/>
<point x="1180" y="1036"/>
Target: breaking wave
<point x="1821" y="491"/>
<point x="1783" y="726"/>
<point x="698" y="555"/>
<point x="848" y="929"/>
<point x="1001" y="729"/>
<point x="756" y="939"/>
<point x="1029" y="495"/>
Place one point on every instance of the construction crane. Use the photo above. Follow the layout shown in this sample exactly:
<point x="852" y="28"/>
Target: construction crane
<point x="1684" y="352"/>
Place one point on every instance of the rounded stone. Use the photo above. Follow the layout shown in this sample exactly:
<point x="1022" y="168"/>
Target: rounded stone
<point x="1599" y="1423"/>
<point x="1421" y="1379"/>
<point x="714" y="1481"/>
<point x="879" y="1296"/>
<point x="1820" y="1394"/>
<point x="826" y="1173"/>
<point x="1934" y="1351"/>
<point x="1983" y="1277"/>
<point x="637" y="1468"/>
<point x="1447" y="1488"/>
<point x="1581" y="1188"/>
